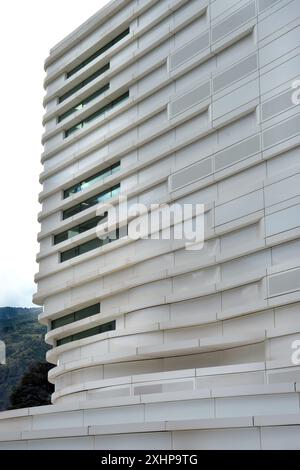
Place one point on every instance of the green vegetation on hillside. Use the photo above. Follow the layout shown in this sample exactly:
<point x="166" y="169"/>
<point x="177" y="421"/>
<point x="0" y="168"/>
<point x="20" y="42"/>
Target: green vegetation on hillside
<point x="25" y="346"/>
<point x="34" y="388"/>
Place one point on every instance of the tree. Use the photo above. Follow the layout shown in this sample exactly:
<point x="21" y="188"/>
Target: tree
<point x="34" y="388"/>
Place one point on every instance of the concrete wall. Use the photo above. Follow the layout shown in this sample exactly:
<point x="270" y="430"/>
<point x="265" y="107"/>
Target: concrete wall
<point x="209" y="119"/>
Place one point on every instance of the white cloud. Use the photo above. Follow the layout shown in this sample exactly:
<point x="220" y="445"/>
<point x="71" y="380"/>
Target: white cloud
<point x="28" y="30"/>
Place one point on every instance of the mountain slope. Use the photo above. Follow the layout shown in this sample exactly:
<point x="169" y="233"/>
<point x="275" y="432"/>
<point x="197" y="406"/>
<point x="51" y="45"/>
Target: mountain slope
<point x="25" y="345"/>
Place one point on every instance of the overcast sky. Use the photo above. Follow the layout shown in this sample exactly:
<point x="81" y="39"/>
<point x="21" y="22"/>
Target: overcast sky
<point x="28" y="30"/>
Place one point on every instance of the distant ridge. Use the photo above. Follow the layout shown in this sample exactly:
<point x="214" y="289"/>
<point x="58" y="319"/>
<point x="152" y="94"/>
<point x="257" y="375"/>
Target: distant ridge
<point x="14" y="315"/>
<point x="9" y="312"/>
<point x="25" y="345"/>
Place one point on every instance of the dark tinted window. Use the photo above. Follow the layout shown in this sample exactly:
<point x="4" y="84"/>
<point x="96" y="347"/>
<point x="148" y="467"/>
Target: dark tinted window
<point x="88" y="246"/>
<point x="92" y="201"/>
<point x="76" y="188"/>
<point x="91" y="332"/>
<point x="100" y="51"/>
<point x="82" y="84"/>
<point x="83" y="103"/>
<point x="81" y="228"/>
<point x="96" y="114"/>
<point x="75" y="316"/>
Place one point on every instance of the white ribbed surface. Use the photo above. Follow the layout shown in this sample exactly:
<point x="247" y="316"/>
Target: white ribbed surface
<point x="202" y="349"/>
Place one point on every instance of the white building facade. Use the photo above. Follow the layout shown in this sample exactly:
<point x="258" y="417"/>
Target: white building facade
<point x="156" y="346"/>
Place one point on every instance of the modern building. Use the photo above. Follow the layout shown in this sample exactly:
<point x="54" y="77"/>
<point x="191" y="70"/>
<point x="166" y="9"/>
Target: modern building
<point x="154" y="345"/>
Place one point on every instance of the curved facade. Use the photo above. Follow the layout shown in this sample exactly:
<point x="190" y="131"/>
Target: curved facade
<point x="174" y="101"/>
<point x="181" y="101"/>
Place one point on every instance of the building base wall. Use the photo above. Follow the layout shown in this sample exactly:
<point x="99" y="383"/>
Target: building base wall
<point x="244" y="417"/>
